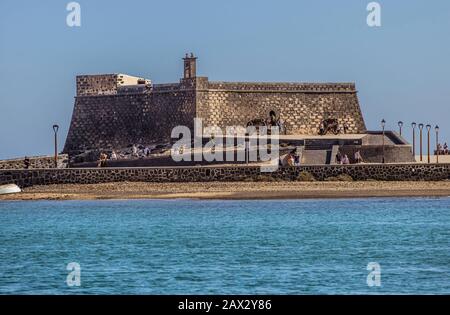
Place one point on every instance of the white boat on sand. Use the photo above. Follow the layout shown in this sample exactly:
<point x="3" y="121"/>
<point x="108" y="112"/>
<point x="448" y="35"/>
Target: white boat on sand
<point x="9" y="189"/>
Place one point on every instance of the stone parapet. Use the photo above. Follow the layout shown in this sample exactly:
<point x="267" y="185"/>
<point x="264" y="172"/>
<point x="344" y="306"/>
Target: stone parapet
<point x="381" y="172"/>
<point x="40" y="162"/>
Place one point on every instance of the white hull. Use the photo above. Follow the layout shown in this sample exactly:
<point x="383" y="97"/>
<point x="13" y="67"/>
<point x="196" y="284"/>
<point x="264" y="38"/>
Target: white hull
<point x="9" y="189"/>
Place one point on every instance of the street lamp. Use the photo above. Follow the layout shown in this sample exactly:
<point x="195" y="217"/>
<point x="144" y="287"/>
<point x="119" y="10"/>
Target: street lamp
<point x="400" y="126"/>
<point x="383" y="125"/>
<point x="428" y="129"/>
<point x="413" y="125"/>
<point x="55" y="130"/>
<point x="437" y="143"/>
<point x="421" y="128"/>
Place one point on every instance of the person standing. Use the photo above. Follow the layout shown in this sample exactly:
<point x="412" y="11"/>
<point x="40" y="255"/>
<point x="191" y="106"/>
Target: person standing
<point x="358" y="157"/>
<point x="26" y="163"/>
<point x="338" y="157"/>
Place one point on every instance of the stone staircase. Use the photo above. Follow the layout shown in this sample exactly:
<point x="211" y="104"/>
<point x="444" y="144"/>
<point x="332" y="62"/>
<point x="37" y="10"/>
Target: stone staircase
<point x="317" y="152"/>
<point x="316" y="157"/>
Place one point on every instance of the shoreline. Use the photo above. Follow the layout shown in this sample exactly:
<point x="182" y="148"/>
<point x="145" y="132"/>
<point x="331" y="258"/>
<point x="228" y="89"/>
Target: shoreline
<point x="233" y="190"/>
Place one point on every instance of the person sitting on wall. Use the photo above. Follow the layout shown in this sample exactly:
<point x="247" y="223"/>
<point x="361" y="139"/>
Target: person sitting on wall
<point x="287" y="159"/>
<point x="290" y="159"/>
<point x="102" y="160"/>
<point x="147" y="151"/>
<point x="345" y="128"/>
<point x="345" y="160"/>
<point x="358" y="157"/>
<point x="322" y="129"/>
<point x="113" y="155"/>
<point x="135" y="151"/>
<point x="273" y="121"/>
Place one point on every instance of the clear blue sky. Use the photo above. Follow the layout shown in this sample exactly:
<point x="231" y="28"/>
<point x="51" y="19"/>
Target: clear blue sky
<point x="401" y="69"/>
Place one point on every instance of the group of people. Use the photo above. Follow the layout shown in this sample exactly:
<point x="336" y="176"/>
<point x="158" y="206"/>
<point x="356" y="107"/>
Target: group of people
<point x="293" y="158"/>
<point x="290" y="159"/>
<point x="135" y="152"/>
<point x="442" y="150"/>
<point x="344" y="159"/>
<point x="138" y="153"/>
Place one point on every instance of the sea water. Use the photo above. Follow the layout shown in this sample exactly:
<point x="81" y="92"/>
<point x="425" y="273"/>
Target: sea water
<point x="226" y="247"/>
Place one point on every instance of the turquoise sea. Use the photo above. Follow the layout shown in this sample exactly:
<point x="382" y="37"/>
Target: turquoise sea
<point x="226" y="247"/>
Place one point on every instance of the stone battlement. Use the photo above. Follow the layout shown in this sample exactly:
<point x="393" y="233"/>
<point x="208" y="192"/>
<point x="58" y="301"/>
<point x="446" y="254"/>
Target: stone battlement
<point x="106" y="84"/>
<point x="283" y="87"/>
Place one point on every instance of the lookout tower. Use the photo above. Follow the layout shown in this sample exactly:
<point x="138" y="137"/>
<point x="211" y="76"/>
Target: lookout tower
<point x="190" y="66"/>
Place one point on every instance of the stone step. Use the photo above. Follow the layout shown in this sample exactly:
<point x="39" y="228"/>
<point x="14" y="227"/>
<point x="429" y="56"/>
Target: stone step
<point x="316" y="156"/>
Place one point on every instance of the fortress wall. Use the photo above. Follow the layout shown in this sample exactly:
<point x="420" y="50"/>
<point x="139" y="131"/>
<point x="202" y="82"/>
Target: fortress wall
<point x="168" y="109"/>
<point x="302" y="107"/>
<point x="110" y="113"/>
<point x="105" y="122"/>
<point x="115" y="121"/>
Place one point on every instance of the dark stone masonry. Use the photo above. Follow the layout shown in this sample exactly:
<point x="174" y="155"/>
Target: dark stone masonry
<point x="115" y="110"/>
<point x="384" y="172"/>
<point x="35" y="162"/>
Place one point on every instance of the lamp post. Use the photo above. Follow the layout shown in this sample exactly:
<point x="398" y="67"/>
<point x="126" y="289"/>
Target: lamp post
<point x="383" y="125"/>
<point x="428" y="143"/>
<point x="421" y="129"/>
<point x="437" y="143"/>
<point x="413" y="125"/>
<point x="55" y="130"/>
<point x="400" y="126"/>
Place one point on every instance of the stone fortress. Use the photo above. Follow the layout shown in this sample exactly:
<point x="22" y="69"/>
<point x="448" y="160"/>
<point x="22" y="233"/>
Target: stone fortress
<point x="115" y="110"/>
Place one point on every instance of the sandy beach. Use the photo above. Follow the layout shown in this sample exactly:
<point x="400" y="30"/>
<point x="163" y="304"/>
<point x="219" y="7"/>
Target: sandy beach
<point x="232" y="190"/>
